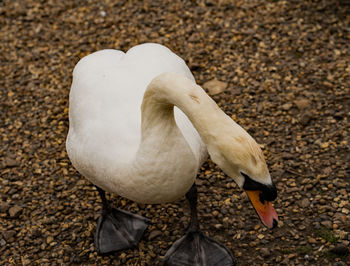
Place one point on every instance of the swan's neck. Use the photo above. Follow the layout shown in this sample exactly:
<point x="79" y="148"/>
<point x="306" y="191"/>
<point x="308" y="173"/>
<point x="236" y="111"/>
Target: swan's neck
<point x="164" y="161"/>
<point x="228" y="144"/>
<point x="169" y="90"/>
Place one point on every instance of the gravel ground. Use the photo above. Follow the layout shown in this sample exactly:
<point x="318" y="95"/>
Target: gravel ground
<point x="287" y="71"/>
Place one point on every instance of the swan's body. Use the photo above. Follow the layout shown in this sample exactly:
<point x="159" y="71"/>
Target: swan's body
<point x="105" y="127"/>
<point x="127" y="138"/>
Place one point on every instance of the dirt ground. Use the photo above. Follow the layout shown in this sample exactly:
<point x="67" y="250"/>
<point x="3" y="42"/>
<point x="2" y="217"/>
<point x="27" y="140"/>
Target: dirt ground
<point x="286" y="65"/>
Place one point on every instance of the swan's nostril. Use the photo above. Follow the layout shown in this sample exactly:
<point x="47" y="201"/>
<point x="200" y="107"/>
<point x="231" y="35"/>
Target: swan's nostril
<point x="261" y="198"/>
<point x="274" y="223"/>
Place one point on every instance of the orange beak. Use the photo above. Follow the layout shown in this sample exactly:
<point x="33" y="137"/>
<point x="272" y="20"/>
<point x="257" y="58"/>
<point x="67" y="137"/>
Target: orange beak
<point x="266" y="211"/>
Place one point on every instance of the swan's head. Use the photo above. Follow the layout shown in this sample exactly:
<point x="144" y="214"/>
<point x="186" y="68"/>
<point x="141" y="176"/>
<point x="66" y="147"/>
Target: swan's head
<point x="241" y="158"/>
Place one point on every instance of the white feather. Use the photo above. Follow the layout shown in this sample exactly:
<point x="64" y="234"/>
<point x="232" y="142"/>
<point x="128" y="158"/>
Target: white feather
<point x="145" y="155"/>
<point x="105" y="124"/>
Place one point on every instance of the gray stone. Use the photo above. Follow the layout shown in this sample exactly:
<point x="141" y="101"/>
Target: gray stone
<point x="265" y="252"/>
<point x="304" y="203"/>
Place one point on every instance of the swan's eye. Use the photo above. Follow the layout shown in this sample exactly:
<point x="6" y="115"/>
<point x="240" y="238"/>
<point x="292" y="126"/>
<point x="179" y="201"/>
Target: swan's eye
<point x="250" y="184"/>
<point x="269" y="192"/>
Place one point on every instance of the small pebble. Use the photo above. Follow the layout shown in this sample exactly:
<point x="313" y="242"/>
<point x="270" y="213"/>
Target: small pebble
<point x="287" y="106"/>
<point x="154" y="234"/>
<point x="327" y="224"/>
<point x="305" y="203"/>
<point x="265" y="252"/>
<point x="340" y="250"/>
<point x="8" y="234"/>
<point x="15" y="211"/>
<point x="4" y="207"/>
<point x="215" y="86"/>
<point x="302" y="103"/>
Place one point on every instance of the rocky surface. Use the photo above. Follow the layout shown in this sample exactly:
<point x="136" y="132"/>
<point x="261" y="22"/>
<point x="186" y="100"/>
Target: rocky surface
<point x="287" y="71"/>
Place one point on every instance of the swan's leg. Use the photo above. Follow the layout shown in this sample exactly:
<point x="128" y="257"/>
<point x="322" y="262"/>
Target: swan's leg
<point x="195" y="248"/>
<point x="117" y="229"/>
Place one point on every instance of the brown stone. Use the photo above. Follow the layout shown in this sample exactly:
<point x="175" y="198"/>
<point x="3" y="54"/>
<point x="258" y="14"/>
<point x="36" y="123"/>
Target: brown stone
<point x="8" y="234"/>
<point x="302" y="104"/>
<point x="304" y="203"/>
<point x="215" y="86"/>
<point x="15" y="211"/>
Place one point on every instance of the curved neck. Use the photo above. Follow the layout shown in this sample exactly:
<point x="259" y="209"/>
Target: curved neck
<point x="164" y="153"/>
<point x="168" y="90"/>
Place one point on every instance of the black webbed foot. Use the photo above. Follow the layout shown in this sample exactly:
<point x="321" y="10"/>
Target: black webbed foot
<point x="117" y="229"/>
<point x="196" y="249"/>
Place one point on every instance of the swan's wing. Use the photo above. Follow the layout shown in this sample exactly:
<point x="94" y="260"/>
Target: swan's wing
<point x="160" y="59"/>
<point x="104" y="107"/>
<point x="105" y="101"/>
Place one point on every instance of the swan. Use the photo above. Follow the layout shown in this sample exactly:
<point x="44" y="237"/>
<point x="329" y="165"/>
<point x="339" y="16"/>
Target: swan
<point x="140" y="127"/>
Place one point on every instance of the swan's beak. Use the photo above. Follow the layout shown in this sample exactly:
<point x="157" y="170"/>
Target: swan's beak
<point x="264" y="208"/>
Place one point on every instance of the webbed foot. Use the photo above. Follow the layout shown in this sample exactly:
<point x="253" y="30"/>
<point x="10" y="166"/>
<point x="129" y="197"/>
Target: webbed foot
<point x="196" y="249"/>
<point x="117" y="229"/>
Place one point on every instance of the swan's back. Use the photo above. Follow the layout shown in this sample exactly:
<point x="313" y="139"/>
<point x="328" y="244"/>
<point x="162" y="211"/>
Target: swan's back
<point x="106" y="97"/>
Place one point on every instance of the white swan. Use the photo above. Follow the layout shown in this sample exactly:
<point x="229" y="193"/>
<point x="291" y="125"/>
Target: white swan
<point x="131" y="141"/>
